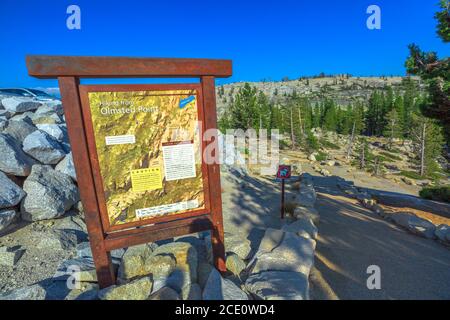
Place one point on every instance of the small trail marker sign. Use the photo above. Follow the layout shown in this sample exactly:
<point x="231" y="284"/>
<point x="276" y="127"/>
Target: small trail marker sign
<point x="283" y="173"/>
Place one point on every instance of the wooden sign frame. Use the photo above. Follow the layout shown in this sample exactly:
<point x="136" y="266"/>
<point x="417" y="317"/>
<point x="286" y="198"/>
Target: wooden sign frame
<point x="103" y="239"/>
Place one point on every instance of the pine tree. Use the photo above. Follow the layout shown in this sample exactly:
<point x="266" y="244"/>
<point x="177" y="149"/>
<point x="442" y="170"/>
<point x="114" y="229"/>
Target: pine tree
<point x="364" y="156"/>
<point x="264" y="111"/>
<point x="330" y="117"/>
<point x="409" y="102"/>
<point x="311" y="143"/>
<point x="427" y="140"/>
<point x="317" y="116"/>
<point x="435" y="72"/>
<point x="244" y="111"/>
<point x="357" y="120"/>
<point x="374" y="115"/>
<point x="393" y="129"/>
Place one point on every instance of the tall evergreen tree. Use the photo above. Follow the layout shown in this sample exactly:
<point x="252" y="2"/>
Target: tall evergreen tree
<point x="374" y="115"/>
<point x="393" y="129"/>
<point x="330" y="121"/>
<point x="244" y="111"/>
<point x="435" y="72"/>
<point x="427" y="140"/>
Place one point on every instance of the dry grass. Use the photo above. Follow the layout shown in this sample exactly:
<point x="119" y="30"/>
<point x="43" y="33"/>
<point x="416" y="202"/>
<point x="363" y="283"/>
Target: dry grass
<point x="436" y="219"/>
<point x="296" y="185"/>
<point x="289" y="207"/>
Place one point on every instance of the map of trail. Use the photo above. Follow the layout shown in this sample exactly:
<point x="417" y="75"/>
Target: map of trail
<point x="139" y="136"/>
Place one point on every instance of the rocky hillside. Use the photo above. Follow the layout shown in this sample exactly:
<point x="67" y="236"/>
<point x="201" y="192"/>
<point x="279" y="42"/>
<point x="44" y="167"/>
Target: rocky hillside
<point x="342" y="89"/>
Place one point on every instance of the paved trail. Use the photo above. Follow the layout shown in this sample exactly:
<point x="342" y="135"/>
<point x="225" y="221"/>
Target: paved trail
<point x="351" y="238"/>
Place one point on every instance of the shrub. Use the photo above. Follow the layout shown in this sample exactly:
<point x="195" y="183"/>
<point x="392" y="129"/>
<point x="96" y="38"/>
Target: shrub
<point x="411" y="175"/>
<point x="321" y="156"/>
<point x="329" y="145"/>
<point x="390" y="156"/>
<point x="441" y="193"/>
<point x="284" y="145"/>
<point x="311" y="143"/>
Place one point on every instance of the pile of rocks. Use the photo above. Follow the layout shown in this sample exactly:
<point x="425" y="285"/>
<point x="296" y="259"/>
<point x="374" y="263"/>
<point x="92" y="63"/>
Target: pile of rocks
<point x="281" y="266"/>
<point x="37" y="176"/>
<point x="324" y="172"/>
<point x="407" y="220"/>
<point x="180" y="269"/>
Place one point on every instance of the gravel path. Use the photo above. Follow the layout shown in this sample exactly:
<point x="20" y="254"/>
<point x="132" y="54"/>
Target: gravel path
<point x="351" y="238"/>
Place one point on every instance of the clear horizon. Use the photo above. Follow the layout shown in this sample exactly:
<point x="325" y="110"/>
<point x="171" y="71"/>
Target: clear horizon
<point x="265" y="41"/>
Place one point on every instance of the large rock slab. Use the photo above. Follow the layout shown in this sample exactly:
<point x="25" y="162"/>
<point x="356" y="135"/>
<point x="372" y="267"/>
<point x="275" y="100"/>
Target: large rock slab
<point x="55" y="240"/>
<point x="3" y="122"/>
<point x="138" y="289"/>
<point x="292" y="253"/>
<point x="308" y="213"/>
<point x="165" y="293"/>
<point x="71" y="221"/>
<point x="402" y="200"/>
<point x="185" y="256"/>
<point x="43" y="147"/>
<point x="19" y="129"/>
<point x="415" y="224"/>
<point x="33" y="292"/>
<point x="133" y="262"/>
<point x="271" y="239"/>
<point x="443" y="233"/>
<point x="84" y="251"/>
<point x="10" y="193"/>
<point x="218" y="288"/>
<point x="204" y="269"/>
<point x="278" y="285"/>
<point x="87" y="291"/>
<point x="306" y="197"/>
<point x="7" y="218"/>
<point x="50" y="108"/>
<point x="235" y="243"/>
<point x="50" y="194"/>
<point x="10" y="256"/>
<point x="81" y="269"/>
<point x="25" y="117"/>
<point x="19" y="104"/>
<point x="12" y="159"/>
<point x="192" y="292"/>
<point x="46" y="119"/>
<point x="234" y="264"/>
<point x="66" y="166"/>
<point x="303" y="227"/>
<point x="160" y="265"/>
<point x="56" y="131"/>
<point x="5" y="115"/>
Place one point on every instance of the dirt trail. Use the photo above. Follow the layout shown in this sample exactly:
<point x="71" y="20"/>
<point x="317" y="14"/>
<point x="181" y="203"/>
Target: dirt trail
<point x="351" y="238"/>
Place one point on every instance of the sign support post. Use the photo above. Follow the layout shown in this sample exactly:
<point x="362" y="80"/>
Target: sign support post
<point x="282" y="199"/>
<point x="103" y="238"/>
<point x="283" y="173"/>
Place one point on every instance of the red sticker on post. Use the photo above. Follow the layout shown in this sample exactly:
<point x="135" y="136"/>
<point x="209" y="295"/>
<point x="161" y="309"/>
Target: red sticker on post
<point x="284" y="172"/>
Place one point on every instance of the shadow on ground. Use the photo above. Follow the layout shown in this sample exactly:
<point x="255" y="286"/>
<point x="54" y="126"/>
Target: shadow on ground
<point x="352" y="238"/>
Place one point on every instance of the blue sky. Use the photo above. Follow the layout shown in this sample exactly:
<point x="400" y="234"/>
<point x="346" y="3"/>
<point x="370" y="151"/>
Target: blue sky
<point x="265" y="39"/>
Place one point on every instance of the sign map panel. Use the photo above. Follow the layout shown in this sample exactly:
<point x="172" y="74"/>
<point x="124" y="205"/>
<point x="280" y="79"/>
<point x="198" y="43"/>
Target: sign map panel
<point x="149" y="152"/>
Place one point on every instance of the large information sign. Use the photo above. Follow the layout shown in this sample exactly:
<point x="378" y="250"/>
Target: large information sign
<point x="148" y="145"/>
<point x="139" y="153"/>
